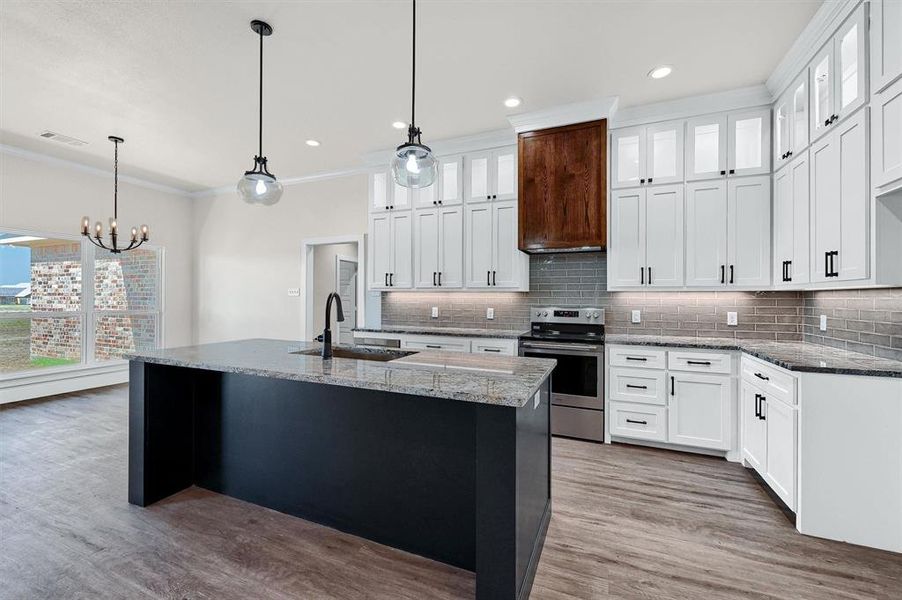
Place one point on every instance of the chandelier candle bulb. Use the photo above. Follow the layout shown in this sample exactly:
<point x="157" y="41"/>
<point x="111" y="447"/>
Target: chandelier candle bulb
<point x="98" y="228"/>
<point x="134" y="234"/>
<point x="85" y="225"/>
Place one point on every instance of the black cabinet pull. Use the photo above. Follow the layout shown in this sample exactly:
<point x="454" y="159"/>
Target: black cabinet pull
<point x="789" y="153"/>
<point x="723" y="172"/>
<point x="760" y="376"/>
<point x="731" y="273"/>
<point x="494" y="279"/>
<point x="826" y="264"/>
<point x="783" y="276"/>
<point x="788" y="270"/>
<point x="391" y="279"/>
<point x="723" y="274"/>
<point x="641" y="275"/>
<point x="649" y="180"/>
<point x="672" y="386"/>
<point x="732" y="171"/>
<point x="440" y="279"/>
<point x="832" y="255"/>
<point x="433" y="346"/>
<point x="637" y="422"/>
<point x="706" y="363"/>
<point x="826" y="122"/>
<point x="433" y="277"/>
<point x="386" y="280"/>
<point x="762" y="414"/>
<point x="637" y="387"/>
<point x="758" y="405"/>
<point x="649" y="275"/>
<point x="639" y="358"/>
<point x="488" y="278"/>
<point x="491" y="349"/>
<point x="642" y="181"/>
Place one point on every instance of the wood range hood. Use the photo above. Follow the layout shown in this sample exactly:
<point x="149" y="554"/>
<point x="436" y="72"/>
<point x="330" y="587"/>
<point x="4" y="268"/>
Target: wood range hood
<point x="562" y="183"/>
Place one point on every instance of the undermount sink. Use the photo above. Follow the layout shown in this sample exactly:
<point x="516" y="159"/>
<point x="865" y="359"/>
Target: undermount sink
<point x="376" y="354"/>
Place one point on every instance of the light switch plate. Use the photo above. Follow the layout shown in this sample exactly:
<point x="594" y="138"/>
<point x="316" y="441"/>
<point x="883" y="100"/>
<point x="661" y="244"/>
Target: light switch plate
<point x="294" y="292"/>
<point x="637" y="316"/>
<point x="435" y="312"/>
<point x="732" y="319"/>
<point x="823" y="322"/>
<point x="490" y="313"/>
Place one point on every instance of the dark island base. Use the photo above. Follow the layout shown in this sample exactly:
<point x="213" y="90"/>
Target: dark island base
<point x="463" y="483"/>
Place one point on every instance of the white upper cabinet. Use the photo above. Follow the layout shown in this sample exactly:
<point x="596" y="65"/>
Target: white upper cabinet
<point x="628" y="157"/>
<point x="791" y="224"/>
<point x="451" y="247"/>
<point x="446" y="190"/>
<point x="492" y="260"/>
<point x="886" y="43"/>
<point x="748" y="231"/>
<point x="706" y="147"/>
<point x="790" y="124"/>
<point x="748" y="137"/>
<point x="379" y="191"/>
<point x="626" y="250"/>
<point x="840" y="202"/>
<point x="838" y="74"/>
<point x="401" y="197"/>
<point x="426" y="247"/>
<point x="664" y="145"/>
<point x="438" y="247"/>
<point x="491" y="175"/>
<point x="887" y="151"/>
<point x="390" y="258"/>
<point x="706" y="233"/>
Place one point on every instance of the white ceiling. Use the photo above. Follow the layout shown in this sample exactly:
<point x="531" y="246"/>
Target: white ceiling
<point x="178" y="79"/>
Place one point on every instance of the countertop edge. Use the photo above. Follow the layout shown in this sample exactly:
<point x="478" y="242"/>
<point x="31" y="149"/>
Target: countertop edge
<point x="459" y="332"/>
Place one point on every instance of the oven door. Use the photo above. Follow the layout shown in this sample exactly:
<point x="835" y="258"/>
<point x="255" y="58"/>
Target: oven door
<point x="577" y="380"/>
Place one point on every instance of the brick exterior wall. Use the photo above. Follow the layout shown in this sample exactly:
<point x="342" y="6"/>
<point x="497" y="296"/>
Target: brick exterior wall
<point x="56" y="285"/>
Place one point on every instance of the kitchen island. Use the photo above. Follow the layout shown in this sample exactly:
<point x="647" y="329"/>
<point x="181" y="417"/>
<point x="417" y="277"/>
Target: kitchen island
<point x="444" y="455"/>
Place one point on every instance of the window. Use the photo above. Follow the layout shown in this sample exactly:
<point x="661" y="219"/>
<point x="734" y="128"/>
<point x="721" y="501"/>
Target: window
<point x="50" y="317"/>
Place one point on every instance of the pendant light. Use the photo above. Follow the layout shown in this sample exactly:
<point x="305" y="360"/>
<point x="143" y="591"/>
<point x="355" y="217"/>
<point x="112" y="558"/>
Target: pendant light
<point x="97" y="238"/>
<point x="414" y="165"/>
<point x="259" y="186"/>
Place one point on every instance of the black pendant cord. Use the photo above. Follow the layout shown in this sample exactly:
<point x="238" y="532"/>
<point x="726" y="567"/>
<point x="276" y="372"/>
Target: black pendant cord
<point x="413" y="70"/>
<point x="116" y="181"/>
<point x="260" y="130"/>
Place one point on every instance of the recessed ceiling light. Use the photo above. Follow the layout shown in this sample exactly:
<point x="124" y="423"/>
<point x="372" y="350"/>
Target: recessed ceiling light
<point x="313" y="143"/>
<point x="660" y="72"/>
<point x="512" y="102"/>
<point x="399" y="124"/>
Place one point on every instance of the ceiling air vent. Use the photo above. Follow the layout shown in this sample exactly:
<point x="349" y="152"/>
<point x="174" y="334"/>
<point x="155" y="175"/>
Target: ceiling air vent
<point x="63" y="139"/>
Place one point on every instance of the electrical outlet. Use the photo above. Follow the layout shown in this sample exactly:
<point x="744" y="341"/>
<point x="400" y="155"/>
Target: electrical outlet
<point x="823" y="322"/>
<point x="435" y="312"/>
<point x="732" y="319"/>
<point x="294" y="292"/>
<point x="490" y="313"/>
<point x="637" y="316"/>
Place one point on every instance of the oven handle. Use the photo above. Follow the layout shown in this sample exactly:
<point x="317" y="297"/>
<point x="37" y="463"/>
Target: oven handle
<point x="582" y="348"/>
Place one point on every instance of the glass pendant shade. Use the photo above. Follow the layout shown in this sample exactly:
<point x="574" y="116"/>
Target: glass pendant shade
<point x="414" y="166"/>
<point x="259" y="188"/>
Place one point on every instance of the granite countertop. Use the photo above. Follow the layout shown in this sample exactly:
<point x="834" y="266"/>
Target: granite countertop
<point x="451" y="331"/>
<point x="498" y="380"/>
<point x="793" y="356"/>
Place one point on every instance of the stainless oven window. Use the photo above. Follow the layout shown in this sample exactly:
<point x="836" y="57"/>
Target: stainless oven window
<point x="574" y="375"/>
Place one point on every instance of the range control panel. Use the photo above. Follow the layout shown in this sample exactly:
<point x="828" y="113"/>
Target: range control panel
<point x="553" y="314"/>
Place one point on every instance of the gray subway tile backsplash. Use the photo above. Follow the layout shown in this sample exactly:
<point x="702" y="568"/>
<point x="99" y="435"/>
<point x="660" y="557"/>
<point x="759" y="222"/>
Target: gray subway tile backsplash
<point x="867" y="321"/>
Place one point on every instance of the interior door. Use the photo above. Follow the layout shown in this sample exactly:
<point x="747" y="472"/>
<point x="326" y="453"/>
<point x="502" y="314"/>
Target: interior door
<point x="852" y="140"/>
<point x="826" y="205"/>
<point x="506" y="271"/>
<point x="503" y="174"/>
<point x="426" y="247"/>
<point x="706" y="233"/>
<point x="626" y="256"/>
<point x="699" y="410"/>
<point x="402" y="244"/>
<point x="748" y="235"/>
<point x="379" y="250"/>
<point x="664" y="143"/>
<point x="479" y="245"/>
<point x="346" y="285"/>
<point x="707" y="147"/>
<point x="451" y="246"/>
<point x="664" y="236"/>
<point x="848" y="54"/>
<point x="478" y="184"/>
<point x="822" y="91"/>
<point x="749" y="142"/>
<point x="628" y="160"/>
<point x="754" y="430"/>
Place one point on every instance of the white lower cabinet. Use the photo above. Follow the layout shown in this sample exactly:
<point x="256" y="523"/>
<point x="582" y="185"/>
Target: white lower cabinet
<point x="699" y="412"/>
<point x="493" y="346"/>
<point x="754" y="430"/>
<point x="435" y="342"/>
<point x="476" y="345"/>
<point x="677" y="396"/>
<point x="781" y="460"/>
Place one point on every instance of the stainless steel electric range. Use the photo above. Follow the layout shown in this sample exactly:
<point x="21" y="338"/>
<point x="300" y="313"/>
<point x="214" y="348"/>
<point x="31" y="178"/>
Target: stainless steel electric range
<point x="575" y="337"/>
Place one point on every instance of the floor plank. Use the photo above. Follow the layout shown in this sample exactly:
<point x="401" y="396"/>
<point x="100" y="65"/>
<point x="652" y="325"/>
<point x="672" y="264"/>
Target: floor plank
<point x="628" y="523"/>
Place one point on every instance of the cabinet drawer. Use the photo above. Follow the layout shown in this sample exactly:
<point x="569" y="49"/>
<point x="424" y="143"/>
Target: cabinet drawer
<point x="636" y="356"/>
<point x="771" y="380"/>
<point x="637" y="385"/>
<point x="640" y="421"/>
<point x="699" y="362"/>
<point x="577" y="423"/>
<point x="492" y="346"/>
<point x="429" y="342"/>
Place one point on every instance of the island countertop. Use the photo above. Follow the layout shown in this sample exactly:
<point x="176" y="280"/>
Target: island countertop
<point x="480" y="332"/>
<point x="499" y="380"/>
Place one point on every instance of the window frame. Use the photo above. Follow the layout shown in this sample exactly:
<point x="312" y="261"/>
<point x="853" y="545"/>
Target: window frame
<point x="88" y="314"/>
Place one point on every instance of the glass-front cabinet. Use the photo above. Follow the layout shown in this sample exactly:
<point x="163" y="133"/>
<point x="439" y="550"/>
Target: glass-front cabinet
<point x="791" y="123"/>
<point x="628" y="157"/>
<point x="728" y="144"/>
<point x="838" y="76"/>
<point x="649" y="154"/>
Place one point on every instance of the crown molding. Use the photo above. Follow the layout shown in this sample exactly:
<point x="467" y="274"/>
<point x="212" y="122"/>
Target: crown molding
<point x="691" y="106"/>
<point x="448" y="146"/>
<point x="568" y="114"/>
<point x="823" y="24"/>
<point x="287" y="181"/>
<point x="83" y="168"/>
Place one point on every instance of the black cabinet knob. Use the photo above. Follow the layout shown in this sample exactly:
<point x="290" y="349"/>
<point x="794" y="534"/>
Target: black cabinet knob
<point x="723" y="172"/>
<point x="732" y="171"/>
<point x="649" y="180"/>
<point x="641" y="181"/>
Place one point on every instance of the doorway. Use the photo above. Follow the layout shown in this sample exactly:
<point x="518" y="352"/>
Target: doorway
<point x="346" y="285"/>
<point x="332" y="265"/>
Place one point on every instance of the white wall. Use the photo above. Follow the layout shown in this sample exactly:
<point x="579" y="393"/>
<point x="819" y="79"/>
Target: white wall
<point x="324" y="283"/>
<point x="248" y="256"/>
<point x="51" y="197"/>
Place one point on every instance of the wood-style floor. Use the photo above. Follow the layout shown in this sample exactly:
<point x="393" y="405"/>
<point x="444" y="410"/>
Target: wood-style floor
<point x="628" y="523"/>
